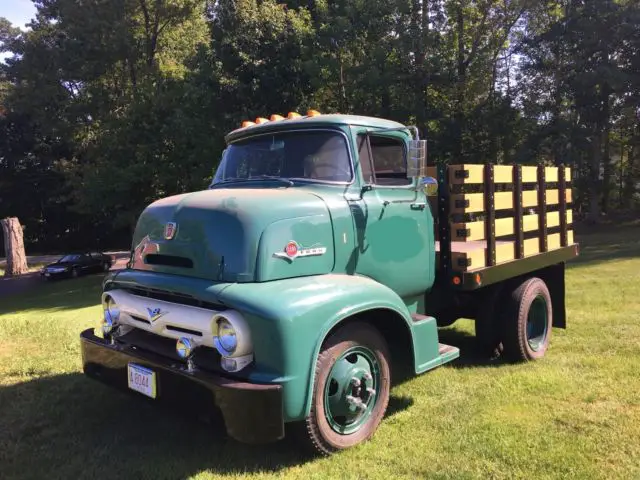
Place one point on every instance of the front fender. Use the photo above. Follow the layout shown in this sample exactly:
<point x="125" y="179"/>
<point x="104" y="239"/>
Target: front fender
<point x="290" y="319"/>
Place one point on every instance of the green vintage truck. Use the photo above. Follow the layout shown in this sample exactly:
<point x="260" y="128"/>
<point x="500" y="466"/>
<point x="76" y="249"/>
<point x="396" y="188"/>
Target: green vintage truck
<point x="317" y="267"/>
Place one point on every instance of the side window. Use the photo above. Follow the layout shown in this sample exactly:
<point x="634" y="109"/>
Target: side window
<point x="365" y="159"/>
<point x="389" y="163"/>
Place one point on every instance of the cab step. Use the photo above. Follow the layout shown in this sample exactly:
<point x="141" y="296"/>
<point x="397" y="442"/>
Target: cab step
<point x="416" y="317"/>
<point x="447" y="353"/>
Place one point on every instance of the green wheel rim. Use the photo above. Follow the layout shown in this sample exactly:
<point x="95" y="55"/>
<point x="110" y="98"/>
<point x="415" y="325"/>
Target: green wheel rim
<point x="537" y="323"/>
<point x="351" y="390"/>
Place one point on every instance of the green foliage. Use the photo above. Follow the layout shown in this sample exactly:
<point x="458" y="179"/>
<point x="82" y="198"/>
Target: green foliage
<point x="107" y="105"/>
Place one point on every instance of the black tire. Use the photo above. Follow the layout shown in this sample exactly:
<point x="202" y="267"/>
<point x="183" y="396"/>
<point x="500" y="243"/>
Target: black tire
<point x="518" y="346"/>
<point x="316" y="431"/>
<point x="74" y="273"/>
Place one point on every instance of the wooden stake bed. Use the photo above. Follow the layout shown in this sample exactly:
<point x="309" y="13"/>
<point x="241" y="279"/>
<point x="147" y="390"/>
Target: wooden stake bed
<point x="488" y="216"/>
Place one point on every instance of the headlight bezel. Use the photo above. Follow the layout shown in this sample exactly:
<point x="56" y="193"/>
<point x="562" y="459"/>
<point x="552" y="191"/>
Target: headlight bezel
<point x="237" y="324"/>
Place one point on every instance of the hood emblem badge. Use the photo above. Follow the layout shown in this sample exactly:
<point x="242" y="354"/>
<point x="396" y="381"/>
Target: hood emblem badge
<point x="170" y="230"/>
<point x="293" y="250"/>
<point x="155" y="313"/>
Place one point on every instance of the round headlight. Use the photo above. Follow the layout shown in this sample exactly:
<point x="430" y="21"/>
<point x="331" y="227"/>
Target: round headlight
<point x="111" y="316"/>
<point x="226" y="338"/>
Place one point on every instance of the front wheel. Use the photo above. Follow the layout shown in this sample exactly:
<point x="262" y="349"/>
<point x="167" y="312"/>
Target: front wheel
<point x="351" y="389"/>
<point x="528" y="321"/>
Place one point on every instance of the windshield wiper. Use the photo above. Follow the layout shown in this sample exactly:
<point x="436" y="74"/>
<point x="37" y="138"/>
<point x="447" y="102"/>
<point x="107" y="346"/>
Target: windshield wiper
<point x="260" y="177"/>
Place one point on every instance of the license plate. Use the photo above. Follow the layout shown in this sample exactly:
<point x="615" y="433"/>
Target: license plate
<point x="47" y="274"/>
<point x="142" y="380"/>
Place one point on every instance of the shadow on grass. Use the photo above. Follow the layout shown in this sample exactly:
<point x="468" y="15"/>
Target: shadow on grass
<point x="615" y="243"/>
<point x="69" y="426"/>
<point x="65" y="294"/>
<point x="470" y="356"/>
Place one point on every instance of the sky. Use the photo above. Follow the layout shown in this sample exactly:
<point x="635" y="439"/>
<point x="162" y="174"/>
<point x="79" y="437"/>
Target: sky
<point x="18" y="12"/>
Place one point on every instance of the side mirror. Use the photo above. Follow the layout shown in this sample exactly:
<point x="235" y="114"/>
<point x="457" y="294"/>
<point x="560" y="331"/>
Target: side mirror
<point x="429" y="186"/>
<point x="417" y="159"/>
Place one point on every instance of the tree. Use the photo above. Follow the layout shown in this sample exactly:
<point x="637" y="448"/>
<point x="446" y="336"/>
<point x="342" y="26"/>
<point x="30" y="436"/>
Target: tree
<point x="14" y="247"/>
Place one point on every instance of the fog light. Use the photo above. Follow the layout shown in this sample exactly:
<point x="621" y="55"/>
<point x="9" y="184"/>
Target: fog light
<point x="108" y="323"/>
<point x="185" y="347"/>
<point x="235" y="364"/>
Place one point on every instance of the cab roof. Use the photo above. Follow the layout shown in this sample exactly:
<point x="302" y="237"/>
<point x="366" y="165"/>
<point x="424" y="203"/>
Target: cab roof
<point x="330" y="119"/>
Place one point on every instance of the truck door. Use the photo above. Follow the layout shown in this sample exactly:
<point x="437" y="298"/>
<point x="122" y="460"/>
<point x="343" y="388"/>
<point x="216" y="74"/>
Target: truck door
<point x="393" y="222"/>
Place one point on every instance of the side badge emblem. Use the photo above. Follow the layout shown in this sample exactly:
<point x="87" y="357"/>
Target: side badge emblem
<point x="170" y="230"/>
<point x="293" y="250"/>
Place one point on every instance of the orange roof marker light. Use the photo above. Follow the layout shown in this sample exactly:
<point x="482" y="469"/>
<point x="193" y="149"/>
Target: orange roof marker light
<point x="260" y="120"/>
<point x="313" y="113"/>
<point x="247" y="123"/>
<point x="275" y="118"/>
<point x="293" y="115"/>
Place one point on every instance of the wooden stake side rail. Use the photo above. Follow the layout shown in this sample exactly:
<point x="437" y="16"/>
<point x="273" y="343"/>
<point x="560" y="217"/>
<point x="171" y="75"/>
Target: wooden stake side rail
<point x="511" y="201"/>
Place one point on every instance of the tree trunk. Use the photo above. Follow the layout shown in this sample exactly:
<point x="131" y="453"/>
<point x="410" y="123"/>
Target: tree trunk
<point x="458" y="116"/>
<point x="595" y="189"/>
<point x="14" y="247"/>
<point x="630" y="178"/>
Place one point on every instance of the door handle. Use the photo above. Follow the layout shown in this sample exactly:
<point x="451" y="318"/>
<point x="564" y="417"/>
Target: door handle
<point x="418" y="206"/>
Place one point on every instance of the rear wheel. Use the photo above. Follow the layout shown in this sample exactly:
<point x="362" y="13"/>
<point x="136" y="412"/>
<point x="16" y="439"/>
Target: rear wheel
<point x="528" y="321"/>
<point x="351" y="390"/>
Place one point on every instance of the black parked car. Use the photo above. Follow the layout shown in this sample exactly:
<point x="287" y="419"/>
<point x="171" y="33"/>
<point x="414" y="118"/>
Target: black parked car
<point x="77" y="264"/>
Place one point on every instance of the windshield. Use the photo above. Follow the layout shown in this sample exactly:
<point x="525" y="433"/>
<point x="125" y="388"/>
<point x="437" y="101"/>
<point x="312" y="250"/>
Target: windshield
<point x="320" y="156"/>
<point x="69" y="258"/>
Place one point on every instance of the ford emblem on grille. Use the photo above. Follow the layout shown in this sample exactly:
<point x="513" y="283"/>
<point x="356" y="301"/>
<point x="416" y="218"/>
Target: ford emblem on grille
<point x="155" y="313"/>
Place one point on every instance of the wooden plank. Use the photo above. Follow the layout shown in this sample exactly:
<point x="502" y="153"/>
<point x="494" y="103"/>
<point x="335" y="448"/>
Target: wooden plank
<point x="553" y="241"/>
<point x="503" y="200"/>
<point x="476" y="258"/>
<point x="531" y="246"/>
<point x="529" y="174"/>
<point x="475" y="174"/>
<point x="432" y="172"/>
<point x="504" y="226"/>
<point x="551" y="174"/>
<point x="503" y="173"/>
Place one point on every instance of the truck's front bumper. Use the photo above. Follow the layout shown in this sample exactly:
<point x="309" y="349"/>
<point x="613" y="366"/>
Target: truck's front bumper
<point x="252" y="413"/>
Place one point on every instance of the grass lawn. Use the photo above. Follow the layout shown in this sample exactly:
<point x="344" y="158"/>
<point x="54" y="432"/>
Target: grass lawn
<point x="575" y="414"/>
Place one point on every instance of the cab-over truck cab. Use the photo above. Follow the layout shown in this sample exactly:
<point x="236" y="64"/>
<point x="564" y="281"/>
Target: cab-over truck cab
<point x="308" y="274"/>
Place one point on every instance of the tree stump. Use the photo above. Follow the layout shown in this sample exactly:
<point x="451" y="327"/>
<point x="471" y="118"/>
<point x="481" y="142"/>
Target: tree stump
<point x="14" y="247"/>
